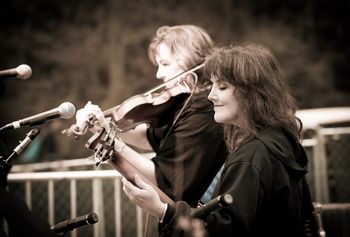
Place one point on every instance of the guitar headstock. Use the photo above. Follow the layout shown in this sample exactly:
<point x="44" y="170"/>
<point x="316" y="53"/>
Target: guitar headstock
<point x="77" y="131"/>
<point x="102" y="143"/>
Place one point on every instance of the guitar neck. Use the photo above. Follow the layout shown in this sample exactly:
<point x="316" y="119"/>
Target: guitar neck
<point x="102" y="143"/>
<point x="128" y="170"/>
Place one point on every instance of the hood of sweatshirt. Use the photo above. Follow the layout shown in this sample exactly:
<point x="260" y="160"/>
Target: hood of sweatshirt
<point x="285" y="147"/>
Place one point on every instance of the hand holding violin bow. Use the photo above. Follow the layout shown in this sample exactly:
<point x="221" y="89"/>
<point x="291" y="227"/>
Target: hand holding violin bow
<point x="155" y="107"/>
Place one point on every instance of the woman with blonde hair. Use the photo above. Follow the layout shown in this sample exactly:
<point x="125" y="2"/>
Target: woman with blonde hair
<point x="189" y="146"/>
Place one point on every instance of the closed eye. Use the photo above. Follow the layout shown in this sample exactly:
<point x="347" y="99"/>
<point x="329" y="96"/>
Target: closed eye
<point x="222" y="85"/>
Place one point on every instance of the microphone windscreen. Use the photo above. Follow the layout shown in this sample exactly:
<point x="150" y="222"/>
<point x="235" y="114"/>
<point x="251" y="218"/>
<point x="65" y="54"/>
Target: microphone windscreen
<point x="24" y="71"/>
<point x="67" y="110"/>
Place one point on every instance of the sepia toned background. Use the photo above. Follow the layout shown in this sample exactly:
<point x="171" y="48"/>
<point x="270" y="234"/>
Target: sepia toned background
<point x="96" y="50"/>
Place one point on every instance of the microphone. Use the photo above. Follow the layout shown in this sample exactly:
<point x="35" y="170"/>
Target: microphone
<point x="66" y="110"/>
<point x="22" y="72"/>
<point x="213" y="205"/>
<point x="23" y="144"/>
<point x="69" y="225"/>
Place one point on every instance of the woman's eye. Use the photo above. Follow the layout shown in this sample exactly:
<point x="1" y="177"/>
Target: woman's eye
<point x="162" y="64"/>
<point x="222" y="86"/>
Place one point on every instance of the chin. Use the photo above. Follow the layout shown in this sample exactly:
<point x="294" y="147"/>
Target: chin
<point x="219" y="119"/>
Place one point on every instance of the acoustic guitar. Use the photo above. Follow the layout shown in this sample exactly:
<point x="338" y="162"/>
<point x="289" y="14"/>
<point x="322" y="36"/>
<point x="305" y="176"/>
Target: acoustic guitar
<point x="102" y="143"/>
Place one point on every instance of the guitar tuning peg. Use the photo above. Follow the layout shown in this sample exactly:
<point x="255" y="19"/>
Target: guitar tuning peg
<point x="98" y="148"/>
<point x="104" y="155"/>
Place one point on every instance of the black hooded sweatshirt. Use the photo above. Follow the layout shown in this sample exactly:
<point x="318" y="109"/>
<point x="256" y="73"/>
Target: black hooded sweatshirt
<point x="266" y="178"/>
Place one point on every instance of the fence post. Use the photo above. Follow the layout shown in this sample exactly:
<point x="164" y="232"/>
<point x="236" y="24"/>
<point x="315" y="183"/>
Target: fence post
<point x="320" y="168"/>
<point x="98" y="207"/>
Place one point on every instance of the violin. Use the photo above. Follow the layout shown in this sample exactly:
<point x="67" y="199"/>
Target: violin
<point x="154" y="107"/>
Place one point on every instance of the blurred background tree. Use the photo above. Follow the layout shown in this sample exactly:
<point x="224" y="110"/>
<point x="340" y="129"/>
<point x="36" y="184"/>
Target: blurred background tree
<point x="97" y="50"/>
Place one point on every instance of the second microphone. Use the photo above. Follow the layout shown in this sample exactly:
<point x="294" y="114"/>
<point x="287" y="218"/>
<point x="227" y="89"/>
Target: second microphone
<point x="66" y="111"/>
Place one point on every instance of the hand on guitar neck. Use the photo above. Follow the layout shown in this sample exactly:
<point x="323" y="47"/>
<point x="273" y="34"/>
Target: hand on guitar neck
<point x="107" y="147"/>
<point x="89" y="118"/>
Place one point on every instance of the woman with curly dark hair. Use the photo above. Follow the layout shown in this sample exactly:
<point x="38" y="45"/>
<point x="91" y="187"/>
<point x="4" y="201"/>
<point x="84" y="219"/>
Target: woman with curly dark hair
<point x="265" y="171"/>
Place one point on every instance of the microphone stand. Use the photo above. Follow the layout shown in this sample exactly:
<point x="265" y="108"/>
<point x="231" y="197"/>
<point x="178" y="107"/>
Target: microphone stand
<point x="14" y="210"/>
<point x="5" y="165"/>
<point x="4" y="170"/>
<point x="23" y="144"/>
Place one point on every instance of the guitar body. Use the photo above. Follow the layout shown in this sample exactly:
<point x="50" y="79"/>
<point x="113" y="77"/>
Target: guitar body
<point x="102" y="144"/>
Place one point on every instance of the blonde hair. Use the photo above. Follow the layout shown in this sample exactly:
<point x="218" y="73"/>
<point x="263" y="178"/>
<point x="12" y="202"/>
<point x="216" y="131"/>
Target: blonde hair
<point x="189" y="44"/>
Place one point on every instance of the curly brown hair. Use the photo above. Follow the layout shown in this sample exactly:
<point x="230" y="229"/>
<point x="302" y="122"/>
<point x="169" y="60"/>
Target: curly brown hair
<point x="263" y="95"/>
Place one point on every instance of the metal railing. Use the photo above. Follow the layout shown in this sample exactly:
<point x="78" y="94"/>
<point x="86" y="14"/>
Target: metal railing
<point x="320" y="160"/>
<point x="73" y="177"/>
<point x="321" y="148"/>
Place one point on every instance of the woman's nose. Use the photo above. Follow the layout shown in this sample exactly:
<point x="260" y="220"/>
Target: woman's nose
<point x="160" y="74"/>
<point x="212" y="95"/>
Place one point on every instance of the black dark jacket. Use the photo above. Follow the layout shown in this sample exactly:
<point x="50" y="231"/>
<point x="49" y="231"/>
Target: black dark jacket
<point x="266" y="178"/>
<point x="190" y="152"/>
